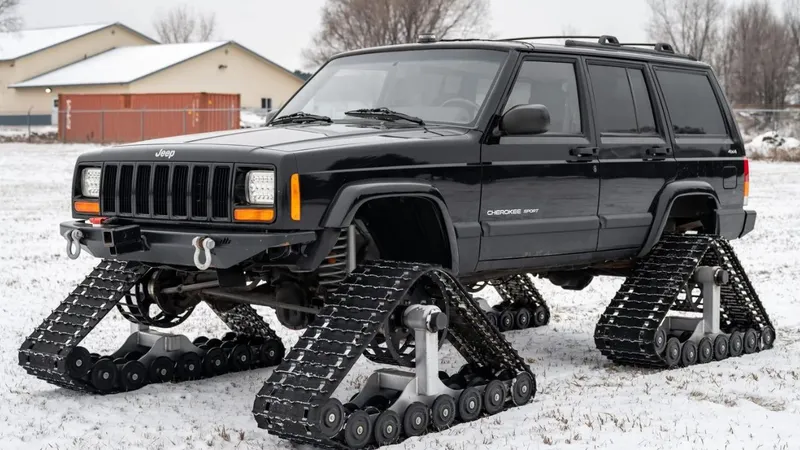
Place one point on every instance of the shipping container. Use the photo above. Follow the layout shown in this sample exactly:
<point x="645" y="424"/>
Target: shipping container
<point x="120" y="118"/>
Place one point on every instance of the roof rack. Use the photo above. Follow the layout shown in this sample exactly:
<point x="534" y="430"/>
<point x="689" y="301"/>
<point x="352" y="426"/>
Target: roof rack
<point x="607" y="42"/>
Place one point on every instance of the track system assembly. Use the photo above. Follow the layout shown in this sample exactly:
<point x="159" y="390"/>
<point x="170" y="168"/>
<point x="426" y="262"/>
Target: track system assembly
<point x="52" y="353"/>
<point x="522" y="306"/>
<point x="297" y="401"/>
<point x="638" y="329"/>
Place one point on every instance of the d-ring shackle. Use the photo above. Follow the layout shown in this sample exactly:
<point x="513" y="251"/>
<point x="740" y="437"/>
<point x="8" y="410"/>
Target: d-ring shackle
<point x="202" y="245"/>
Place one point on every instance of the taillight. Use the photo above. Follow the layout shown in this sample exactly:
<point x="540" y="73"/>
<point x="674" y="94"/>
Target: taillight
<point x="746" y="180"/>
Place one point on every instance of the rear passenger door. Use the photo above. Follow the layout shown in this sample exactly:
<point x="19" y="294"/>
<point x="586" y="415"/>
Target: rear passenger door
<point x="635" y="157"/>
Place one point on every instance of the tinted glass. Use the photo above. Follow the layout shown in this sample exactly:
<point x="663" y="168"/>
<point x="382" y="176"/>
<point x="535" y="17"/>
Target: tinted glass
<point x="435" y="85"/>
<point x="552" y="84"/>
<point x="613" y="99"/>
<point x="641" y="99"/>
<point x="691" y="103"/>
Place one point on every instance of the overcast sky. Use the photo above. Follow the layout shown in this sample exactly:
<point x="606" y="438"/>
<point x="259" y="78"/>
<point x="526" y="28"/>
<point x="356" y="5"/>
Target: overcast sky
<point x="280" y="29"/>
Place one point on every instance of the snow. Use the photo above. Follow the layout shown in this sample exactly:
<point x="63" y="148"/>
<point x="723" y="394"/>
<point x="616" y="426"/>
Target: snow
<point x="770" y="140"/>
<point x="583" y="402"/>
<point x="16" y="44"/>
<point x="251" y="119"/>
<point x="15" y="131"/>
<point x="121" y="65"/>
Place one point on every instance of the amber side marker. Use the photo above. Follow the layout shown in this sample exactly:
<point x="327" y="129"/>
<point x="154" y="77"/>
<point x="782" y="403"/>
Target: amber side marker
<point x="253" y="215"/>
<point x="87" y="207"/>
<point x="295" y="197"/>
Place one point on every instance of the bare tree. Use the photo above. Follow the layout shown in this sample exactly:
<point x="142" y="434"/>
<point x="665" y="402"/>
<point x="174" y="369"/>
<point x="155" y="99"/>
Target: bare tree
<point x="691" y="26"/>
<point x="758" y="54"/>
<point x="354" y="24"/>
<point x="182" y="24"/>
<point x="9" y="21"/>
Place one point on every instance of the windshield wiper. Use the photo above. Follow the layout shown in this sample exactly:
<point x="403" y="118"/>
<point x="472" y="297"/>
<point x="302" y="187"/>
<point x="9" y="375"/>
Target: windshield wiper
<point x="384" y="114"/>
<point x="300" y="117"/>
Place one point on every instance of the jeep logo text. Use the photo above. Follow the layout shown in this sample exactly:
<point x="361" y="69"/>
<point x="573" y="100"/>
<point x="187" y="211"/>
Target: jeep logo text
<point x="165" y="154"/>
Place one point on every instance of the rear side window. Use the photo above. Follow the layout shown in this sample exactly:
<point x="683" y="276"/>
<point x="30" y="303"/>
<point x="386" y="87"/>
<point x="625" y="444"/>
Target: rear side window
<point x="621" y="99"/>
<point x="554" y="85"/>
<point x="691" y="102"/>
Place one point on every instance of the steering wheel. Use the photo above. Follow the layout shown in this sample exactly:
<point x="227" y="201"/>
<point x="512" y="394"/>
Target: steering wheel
<point x="463" y="103"/>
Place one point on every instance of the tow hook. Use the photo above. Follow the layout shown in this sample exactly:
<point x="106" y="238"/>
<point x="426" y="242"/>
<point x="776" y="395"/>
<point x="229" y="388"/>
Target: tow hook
<point x="202" y="245"/>
<point x="74" y="243"/>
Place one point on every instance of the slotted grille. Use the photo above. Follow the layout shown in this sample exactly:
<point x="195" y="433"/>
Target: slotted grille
<point x="197" y="192"/>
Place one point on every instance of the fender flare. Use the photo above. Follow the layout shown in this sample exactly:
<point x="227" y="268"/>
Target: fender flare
<point x="345" y="204"/>
<point x="666" y="199"/>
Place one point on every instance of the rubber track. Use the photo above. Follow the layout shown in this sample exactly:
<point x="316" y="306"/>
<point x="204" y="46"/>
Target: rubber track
<point x="289" y="402"/>
<point x="519" y="290"/>
<point x="44" y="353"/>
<point x="626" y="330"/>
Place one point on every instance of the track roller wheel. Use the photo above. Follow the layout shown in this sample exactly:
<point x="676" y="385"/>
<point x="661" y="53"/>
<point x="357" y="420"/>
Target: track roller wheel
<point x="104" y="375"/>
<point x="767" y="337"/>
<point x="736" y="344"/>
<point x="214" y="362"/>
<point x="494" y="397"/>
<point x="331" y="418"/>
<point x="541" y="316"/>
<point x="750" y="341"/>
<point x="672" y="355"/>
<point x="161" y="370"/>
<point x="443" y="412"/>
<point x="660" y="341"/>
<point x="721" y="346"/>
<point x="522" y="389"/>
<point x="522" y="319"/>
<point x="188" y="367"/>
<point x="240" y="357"/>
<point x="688" y="354"/>
<point x="213" y="343"/>
<point x="705" y="351"/>
<point x="415" y="419"/>
<point x="470" y="403"/>
<point x="230" y="336"/>
<point x="272" y="352"/>
<point x="493" y="319"/>
<point x="357" y="430"/>
<point x="79" y="362"/>
<point x="133" y="375"/>
<point x="200" y="340"/>
<point x="387" y="428"/>
<point x="506" y="320"/>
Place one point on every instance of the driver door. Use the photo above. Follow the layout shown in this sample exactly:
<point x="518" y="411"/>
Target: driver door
<point x="540" y="192"/>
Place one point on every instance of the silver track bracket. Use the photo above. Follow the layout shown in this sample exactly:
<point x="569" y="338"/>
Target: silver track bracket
<point x="157" y="344"/>
<point x="710" y="279"/>
<point x="422" y="385"/>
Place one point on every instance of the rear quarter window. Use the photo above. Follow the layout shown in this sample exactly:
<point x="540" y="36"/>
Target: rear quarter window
<point x="692" y="105"/>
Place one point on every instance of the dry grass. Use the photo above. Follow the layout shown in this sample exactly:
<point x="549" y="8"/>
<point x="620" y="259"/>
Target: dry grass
<point x="777" y="154"/>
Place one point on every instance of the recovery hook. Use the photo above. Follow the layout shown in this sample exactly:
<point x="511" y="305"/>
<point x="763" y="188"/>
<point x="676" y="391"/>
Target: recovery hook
<point x="74" y="243"/>
<point x="202" y="245"/>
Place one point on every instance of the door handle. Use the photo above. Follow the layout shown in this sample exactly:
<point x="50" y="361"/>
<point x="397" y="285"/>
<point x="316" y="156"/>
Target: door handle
<point x="583" y="153"/>
<point x="658" y="152"/>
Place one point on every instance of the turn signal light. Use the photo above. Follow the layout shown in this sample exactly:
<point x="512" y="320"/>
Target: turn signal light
<point x="86" y="207"/>
<point x="253" y="215"/>
<point x="746" y="180"/>
<point x="295" y="197"/>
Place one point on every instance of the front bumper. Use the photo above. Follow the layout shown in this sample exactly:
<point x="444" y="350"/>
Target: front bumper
<point x="174" y="247"/>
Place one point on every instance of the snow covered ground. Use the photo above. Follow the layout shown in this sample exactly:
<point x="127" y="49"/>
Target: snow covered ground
<point x="583" y="402"/>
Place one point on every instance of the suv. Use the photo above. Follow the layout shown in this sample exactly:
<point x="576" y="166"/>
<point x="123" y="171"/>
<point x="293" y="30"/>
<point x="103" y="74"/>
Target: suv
<point x="395" y="177"/>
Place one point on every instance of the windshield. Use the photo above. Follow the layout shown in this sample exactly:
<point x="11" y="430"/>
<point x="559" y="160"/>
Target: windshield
<point x="444" y="85"/>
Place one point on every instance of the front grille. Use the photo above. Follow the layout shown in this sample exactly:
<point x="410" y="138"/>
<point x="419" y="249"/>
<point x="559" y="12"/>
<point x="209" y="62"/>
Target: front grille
<point x="197" y="192"/>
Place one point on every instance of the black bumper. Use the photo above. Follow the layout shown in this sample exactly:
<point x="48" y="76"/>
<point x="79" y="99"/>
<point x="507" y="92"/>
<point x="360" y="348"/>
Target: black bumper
<point x="173" y="247"/>
<point x="736" y="223"/>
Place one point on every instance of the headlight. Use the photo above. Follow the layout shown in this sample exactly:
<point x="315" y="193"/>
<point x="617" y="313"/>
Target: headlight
<point x="260" y="187"/>
<point x="90" y="182"/>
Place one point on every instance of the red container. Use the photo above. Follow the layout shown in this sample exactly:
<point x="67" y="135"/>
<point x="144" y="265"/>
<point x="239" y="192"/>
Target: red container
<point x="118" y="118"/>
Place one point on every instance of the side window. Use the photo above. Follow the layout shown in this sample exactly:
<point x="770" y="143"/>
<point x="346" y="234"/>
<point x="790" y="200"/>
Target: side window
<point x="621" y="99"/>
<point x="692" y="105"/>
<point x="554" y="85"/>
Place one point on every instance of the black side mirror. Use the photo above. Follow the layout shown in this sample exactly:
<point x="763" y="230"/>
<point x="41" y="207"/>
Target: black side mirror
<point x="525" y="119"/>
<point x="270" y="115"/>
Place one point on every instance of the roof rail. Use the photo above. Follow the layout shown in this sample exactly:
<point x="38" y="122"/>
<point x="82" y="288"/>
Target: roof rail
<point x="533" y="38"/>
<point x="611" y="42"/>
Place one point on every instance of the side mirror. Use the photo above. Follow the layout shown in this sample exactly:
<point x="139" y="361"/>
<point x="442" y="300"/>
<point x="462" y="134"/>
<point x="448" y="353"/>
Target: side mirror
<point x="525" y="119"/>
<point x="270" y="115"/>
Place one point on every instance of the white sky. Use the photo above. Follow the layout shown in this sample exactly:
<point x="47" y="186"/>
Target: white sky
<point x="280" y="29"/>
